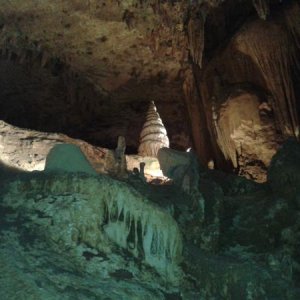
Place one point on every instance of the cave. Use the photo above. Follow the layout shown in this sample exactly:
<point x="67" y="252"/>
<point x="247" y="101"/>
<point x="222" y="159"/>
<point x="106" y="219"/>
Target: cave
<point x="153" y="145"/>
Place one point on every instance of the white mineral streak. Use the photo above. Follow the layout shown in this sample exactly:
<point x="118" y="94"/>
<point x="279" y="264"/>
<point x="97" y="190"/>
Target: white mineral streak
<point x="159" y="234"/>
<point x="153" y="135"/>
<point x="262" y="8"/>
<point x="196" y="38"/>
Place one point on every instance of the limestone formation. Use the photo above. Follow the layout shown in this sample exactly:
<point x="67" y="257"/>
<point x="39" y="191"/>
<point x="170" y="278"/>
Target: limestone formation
<point x="244" y="129"/>
<point x="154" y="134"/>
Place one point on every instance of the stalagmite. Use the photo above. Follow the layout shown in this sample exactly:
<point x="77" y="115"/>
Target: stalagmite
<point x="154" y="134"/>
<point x="262" y="8"/>
<point x="196" y="37"/>
<point x="120" y="155"/>
<point x="115" y="160"/>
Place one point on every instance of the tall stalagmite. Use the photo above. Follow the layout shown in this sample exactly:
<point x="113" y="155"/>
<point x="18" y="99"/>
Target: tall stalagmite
<point x="154" y="134"/>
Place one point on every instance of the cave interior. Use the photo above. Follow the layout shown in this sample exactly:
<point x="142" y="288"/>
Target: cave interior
<point x="150" y="149"/>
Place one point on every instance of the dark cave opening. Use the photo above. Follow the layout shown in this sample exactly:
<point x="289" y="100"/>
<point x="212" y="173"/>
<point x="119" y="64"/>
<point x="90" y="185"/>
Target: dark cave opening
<point x="51" y="98"/>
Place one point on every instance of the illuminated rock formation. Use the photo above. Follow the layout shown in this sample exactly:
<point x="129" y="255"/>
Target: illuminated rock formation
<point x="246" y="134"/>
<point x="26" y="150"/>
<point x="154" y="134"/>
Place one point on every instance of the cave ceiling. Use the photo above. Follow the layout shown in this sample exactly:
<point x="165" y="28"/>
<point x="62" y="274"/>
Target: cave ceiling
<point x="94" y="66"/>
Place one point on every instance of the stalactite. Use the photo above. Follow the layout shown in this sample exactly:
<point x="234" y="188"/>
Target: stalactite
<point x="154" y="134"/>
<point x="195" y="31"/>
<point x="262" y="8"/>
<point x="272" y="51"/>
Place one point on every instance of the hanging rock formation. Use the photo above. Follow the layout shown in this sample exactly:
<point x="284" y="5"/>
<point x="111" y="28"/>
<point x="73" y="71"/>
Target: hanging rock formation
<point x="154" y="134"/>
<point x="195" y="29"/>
